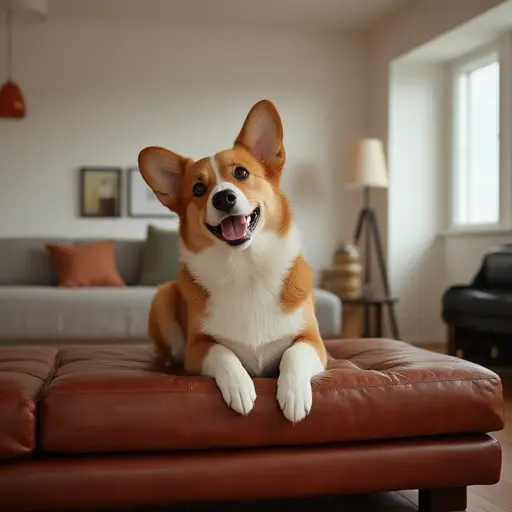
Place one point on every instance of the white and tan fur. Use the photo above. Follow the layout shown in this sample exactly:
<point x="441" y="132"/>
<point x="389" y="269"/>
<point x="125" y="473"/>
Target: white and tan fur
<point x="245" y="311"/>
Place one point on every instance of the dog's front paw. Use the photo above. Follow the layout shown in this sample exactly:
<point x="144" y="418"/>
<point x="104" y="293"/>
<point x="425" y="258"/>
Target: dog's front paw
<point x="294" y="396"/>
<point x="237" y="389"/>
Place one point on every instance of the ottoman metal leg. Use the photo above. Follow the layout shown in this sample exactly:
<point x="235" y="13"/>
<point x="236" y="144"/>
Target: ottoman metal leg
<point x="453" y="499"/>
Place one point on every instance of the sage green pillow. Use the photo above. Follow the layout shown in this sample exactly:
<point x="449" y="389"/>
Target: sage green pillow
<point x="160" y="257"/>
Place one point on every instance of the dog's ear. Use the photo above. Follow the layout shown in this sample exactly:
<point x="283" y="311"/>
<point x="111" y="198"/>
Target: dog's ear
<point x="163" y="171"/>
<point x="262" y="135"/>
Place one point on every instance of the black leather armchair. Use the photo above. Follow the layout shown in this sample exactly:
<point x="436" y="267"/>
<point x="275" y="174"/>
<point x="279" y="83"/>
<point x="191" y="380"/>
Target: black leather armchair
<point x="479" y="315"/>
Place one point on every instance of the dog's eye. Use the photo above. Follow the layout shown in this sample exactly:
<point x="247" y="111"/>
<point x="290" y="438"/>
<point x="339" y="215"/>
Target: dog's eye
<point x="199" y="189"/>
<point x="241" y="173"/>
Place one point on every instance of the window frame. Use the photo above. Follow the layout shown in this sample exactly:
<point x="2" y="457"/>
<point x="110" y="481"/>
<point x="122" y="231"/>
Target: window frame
<point x="499" y="50"/>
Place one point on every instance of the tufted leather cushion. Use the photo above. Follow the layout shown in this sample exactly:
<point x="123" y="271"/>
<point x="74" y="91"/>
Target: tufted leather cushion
<point x="114" y="398"/>
<point x="24" y="371"/>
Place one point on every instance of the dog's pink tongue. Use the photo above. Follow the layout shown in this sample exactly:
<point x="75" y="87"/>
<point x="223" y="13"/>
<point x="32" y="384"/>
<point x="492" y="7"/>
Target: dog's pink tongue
<point x="234" y="228"/>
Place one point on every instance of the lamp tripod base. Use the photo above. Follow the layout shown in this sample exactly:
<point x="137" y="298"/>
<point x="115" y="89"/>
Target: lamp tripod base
<point x="367" y="221"/>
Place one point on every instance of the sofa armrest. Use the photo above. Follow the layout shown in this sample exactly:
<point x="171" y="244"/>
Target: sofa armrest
<point x="328" y="313"/>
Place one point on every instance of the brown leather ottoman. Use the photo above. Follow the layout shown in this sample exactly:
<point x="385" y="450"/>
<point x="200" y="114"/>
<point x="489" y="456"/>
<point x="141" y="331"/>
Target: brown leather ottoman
<point x="115" y="429"/>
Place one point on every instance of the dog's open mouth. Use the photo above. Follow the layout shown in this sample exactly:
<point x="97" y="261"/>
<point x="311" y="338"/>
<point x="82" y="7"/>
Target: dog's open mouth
<point x="236" y="229"/>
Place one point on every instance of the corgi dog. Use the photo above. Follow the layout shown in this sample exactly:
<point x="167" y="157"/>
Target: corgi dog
<point x="242" y="305"/>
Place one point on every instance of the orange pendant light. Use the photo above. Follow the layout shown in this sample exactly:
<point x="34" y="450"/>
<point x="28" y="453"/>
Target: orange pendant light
<point x="12" y="102"/>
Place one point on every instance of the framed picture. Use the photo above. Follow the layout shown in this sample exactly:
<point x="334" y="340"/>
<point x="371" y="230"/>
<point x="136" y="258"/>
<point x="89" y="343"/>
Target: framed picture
<point x="100" y="192"/>
<point x="142" y="201"/>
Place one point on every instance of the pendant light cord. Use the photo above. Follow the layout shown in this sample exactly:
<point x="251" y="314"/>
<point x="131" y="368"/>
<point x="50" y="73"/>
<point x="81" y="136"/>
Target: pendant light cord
<point x="9" y="44"/>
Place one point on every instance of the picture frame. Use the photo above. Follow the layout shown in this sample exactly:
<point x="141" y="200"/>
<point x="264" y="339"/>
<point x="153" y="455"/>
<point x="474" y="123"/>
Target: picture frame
<point x="142" y="201"/>
<point x="100" y="192"/>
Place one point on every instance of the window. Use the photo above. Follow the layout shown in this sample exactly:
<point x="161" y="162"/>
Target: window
<point x="476" y="143"/>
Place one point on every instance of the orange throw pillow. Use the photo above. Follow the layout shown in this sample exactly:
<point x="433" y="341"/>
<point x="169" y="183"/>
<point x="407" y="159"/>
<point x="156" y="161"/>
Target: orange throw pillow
<point x="91" y="264"/>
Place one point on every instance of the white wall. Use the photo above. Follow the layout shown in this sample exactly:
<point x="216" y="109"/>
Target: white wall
<point x="449" y="260"/>
<point x="423" y="21"/>
<point x="416" y="201"/>
<point x="463" y="254"/>
<point x="99" y="91"/>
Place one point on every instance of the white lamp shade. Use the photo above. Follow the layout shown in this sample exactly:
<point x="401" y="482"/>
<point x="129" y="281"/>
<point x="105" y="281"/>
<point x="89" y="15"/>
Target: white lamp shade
<point x="366" y="165"/>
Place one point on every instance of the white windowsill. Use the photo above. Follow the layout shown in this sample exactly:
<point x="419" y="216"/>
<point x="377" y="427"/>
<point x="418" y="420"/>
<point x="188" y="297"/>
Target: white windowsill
<point x="476" y="231"/>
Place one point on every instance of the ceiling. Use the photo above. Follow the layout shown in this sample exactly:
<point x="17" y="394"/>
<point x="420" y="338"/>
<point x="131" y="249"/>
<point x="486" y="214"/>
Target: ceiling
<point x="476" y="32"/>
<point x="353" y="15"/>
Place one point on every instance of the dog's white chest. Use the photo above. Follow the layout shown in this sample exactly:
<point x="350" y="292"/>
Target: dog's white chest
<point x="260" y="361"/>
<point x="243" y="310"/>
<point x="250" y="322"/>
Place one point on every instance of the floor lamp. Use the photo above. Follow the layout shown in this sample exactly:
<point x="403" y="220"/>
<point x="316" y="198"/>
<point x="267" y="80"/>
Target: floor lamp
<point x="367" y="169"/>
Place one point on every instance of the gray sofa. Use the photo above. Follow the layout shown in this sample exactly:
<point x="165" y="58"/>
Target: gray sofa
<point x="33" y="309"/>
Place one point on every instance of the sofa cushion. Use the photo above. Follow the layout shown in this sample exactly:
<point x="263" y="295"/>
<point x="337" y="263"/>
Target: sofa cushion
<point x="160" y="260"/>
<point x="73" y="314"/>
<point x="128" y="255"/>
<point x="56" y="314"/>
<point x="90" y="264"/>
<point x="25" y="261"/>
<point x="328" y="308"/>
<point x="115" y="398"/>
<point x="129" y="259"/>
<point x="23" y="374"/>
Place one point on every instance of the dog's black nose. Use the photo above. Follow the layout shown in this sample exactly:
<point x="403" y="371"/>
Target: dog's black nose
<point x="224" y="200"/>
